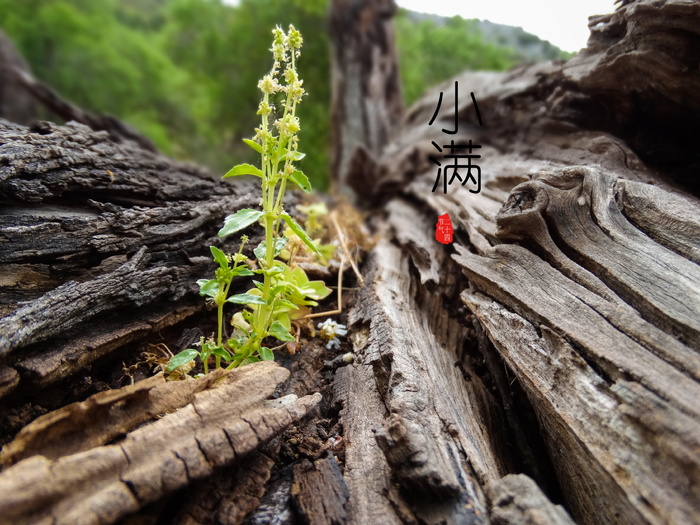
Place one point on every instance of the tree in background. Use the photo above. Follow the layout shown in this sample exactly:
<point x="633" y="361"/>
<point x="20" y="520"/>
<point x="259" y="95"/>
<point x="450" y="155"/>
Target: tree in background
<point x="430" y="52"/>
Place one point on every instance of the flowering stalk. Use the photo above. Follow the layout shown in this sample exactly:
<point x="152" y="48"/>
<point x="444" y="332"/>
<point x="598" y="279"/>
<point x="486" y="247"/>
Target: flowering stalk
<point x="285" y="292"/>
<point x="277" y="143"/>
<point x="284" y="145"/>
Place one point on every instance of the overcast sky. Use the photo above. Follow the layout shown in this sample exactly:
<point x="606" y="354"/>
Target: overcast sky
<point x="563" y="22"/>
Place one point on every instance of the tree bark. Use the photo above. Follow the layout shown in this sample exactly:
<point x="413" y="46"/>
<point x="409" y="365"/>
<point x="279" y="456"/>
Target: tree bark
<point x="367" y="100"/>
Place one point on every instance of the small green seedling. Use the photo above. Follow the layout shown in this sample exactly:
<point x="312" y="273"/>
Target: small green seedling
<point x="284" y="293"/>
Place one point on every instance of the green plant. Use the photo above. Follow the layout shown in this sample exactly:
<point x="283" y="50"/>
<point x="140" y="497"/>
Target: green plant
<point x="285" y="293"/>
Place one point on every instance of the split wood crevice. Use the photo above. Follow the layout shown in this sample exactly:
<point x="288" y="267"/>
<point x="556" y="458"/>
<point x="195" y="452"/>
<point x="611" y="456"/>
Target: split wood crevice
<point x="549" y="356"/>
<point x="595" y="320"/>
<point x="578" y="267"/>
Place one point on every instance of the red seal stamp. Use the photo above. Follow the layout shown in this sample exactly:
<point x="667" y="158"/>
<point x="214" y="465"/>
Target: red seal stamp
<point x="443" y="229"/>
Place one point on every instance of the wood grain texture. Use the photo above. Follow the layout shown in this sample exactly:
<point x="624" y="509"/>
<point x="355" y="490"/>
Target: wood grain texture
<point x="319" y="491"/>
<point x="517" y="500"/>
<point x="229" y="494"/>
<point x="98" y="241"/>
<point x="217" y="427"/>
<point x="432" y="427"/>
<point x="579" y="263"/>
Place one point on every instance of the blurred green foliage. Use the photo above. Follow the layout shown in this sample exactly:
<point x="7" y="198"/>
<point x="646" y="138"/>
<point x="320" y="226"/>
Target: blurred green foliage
<point x="185" y="72"/>
<point x="430" y="52"/>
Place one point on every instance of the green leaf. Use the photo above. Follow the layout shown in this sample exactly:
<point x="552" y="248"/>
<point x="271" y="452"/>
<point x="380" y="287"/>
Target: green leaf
<point x="221" y="352"/>
<point x="280" y="332"/>
<point x="266" y="354"/>
<point x="283" y="305"/>
<point x="269" y="271"/>
<point x="327" y="250"/>
<point x="243" y="169"/>
<point x="257" y="147"/>
<point x="207" y="348"/>
<point x="246" y="298"/>
<point x="280" y="244"/>
<point x="300" y="232"/>
<point x="234" y="344"/>
<point x="219" y="256"/>
<point x="316" y="290"/>
<point x="301" y="180"/>
<point x="208" y="287"/>
<point x="259" y="251"/>
<point x="285" y="321"/>
<point x="239" y="220"/>
<point x="241" y="270"/>
<point x="296" y="155"/>
<point x="282" y="287"/>
<point x="182" y="358"/>
<point x="236" y="361"/>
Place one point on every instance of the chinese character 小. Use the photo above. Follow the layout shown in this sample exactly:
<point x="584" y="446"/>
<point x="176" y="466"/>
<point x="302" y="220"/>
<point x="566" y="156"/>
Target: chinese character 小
<point x="455" y="156"/>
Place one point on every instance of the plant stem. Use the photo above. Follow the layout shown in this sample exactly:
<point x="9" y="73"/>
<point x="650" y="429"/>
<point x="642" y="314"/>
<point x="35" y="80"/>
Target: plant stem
<point x="220" y="313"/>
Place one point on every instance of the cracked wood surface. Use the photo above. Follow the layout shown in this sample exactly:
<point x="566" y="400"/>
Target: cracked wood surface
<point x="102" y="417"/>
<point x="230" y="494"/>
<point x="98" y="240"/>
<point x="319" y="491"/>
<point x="577" y="261"/>
<point x="517" y="500"/>
<point x="213" y="428"/>
<point x="436" y="433"/>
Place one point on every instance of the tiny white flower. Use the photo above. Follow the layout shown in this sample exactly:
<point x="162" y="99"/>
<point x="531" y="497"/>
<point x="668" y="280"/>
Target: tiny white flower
<point x="330" y="330"/>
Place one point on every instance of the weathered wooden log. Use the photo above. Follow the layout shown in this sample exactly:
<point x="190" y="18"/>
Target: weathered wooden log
<point x="100" y="484"/>
<point x="367" y="99"/>
<point x="577" y="263"/>
<point x="97" y="240"/>
<point x="557" y="337"/>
